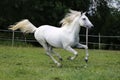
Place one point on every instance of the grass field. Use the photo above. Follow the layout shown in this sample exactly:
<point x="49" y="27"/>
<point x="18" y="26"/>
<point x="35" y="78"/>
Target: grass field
<point x="31" y="63"/>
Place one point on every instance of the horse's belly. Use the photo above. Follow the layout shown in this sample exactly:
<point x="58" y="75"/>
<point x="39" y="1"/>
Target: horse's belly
<point x="54" y="40"/>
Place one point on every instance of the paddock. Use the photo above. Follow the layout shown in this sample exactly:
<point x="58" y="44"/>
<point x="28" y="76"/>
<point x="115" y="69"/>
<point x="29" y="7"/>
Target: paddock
<point x="31" y="63"/>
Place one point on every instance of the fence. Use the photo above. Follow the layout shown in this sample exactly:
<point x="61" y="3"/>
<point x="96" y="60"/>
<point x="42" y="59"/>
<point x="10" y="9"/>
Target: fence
<point x="96" y="41"/>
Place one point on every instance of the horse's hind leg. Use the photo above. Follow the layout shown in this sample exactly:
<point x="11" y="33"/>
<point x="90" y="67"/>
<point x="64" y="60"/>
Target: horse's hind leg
<point x="60" y="58"/>
<point x="46" y="47"/>
<point x="51" y="50"/>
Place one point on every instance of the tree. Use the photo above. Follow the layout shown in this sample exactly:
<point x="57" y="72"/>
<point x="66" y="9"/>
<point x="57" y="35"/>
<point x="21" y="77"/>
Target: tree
<point x="37" y="11"/>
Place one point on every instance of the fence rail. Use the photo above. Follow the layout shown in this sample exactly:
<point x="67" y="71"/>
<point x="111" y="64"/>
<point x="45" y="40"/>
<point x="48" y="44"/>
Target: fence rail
<point x="13" y="37"/>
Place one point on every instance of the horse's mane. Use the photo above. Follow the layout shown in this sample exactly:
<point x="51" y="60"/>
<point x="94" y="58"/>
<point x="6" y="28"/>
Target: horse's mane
<point x="70" y="17"/>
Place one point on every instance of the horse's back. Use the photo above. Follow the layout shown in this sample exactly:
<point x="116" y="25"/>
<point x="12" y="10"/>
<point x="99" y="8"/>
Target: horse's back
<point x="50" y="34"/>
<point x="47" y="29"/>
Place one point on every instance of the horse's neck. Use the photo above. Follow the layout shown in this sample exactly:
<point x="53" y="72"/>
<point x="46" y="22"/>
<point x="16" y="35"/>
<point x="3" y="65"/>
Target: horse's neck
<point x="72" y="29"/>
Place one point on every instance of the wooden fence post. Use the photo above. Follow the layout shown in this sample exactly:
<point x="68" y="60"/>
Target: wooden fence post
<point x="86" y="36"/>
<point x="13" y="35"/>
<point x="99" y="41"/>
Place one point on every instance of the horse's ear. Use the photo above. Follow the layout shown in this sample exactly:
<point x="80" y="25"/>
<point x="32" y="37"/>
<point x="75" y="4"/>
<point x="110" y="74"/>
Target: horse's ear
<point x="83" y="13"/>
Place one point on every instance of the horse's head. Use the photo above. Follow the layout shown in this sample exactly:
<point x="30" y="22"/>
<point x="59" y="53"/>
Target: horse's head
<point x="84" y="21"/>
<point x="76" y="16"/>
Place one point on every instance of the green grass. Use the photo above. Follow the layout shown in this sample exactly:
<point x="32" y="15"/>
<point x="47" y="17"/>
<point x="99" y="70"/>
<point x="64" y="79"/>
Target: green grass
<point x="16" y="43"/>
<point x="31" y="63"/>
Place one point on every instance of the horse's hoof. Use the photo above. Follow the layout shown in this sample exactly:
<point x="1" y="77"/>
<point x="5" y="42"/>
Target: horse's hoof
<point x="69" y="58"/>
<point x="60" y="59"/>
<point x="86" y="60"/>
<point x="59" y="65"/>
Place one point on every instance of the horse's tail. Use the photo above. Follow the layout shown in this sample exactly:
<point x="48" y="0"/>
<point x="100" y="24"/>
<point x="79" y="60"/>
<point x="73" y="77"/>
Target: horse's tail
<point x="25" y="26"/>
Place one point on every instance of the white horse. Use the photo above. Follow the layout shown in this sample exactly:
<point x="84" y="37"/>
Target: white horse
<point x="64" y="37"/>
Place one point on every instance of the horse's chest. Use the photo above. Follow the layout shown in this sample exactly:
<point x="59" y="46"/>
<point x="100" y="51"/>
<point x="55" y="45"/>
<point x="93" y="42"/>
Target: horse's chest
<point x="72" y="41"/>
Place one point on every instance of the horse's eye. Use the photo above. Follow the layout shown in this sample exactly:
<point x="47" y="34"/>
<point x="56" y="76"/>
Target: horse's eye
<point x="84" y="18"/>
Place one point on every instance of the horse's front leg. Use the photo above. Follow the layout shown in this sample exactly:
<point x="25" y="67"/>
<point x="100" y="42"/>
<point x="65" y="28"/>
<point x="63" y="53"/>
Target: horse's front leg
<point x="68" y="48"/>
<point x="86" y="49"/>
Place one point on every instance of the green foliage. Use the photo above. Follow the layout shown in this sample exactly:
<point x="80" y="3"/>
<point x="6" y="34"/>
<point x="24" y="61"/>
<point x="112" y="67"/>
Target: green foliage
<point x="38" y="11"/>
<point x="106" y="22"/>
<point x="30" y="63"/>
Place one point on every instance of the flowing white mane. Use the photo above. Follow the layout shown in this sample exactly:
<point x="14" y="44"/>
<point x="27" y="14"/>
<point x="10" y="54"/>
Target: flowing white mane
<point x="70" y="17"/>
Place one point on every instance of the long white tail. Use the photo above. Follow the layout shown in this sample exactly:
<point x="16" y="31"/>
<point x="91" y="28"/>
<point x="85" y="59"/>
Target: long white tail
<point x="25" y="26"/>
